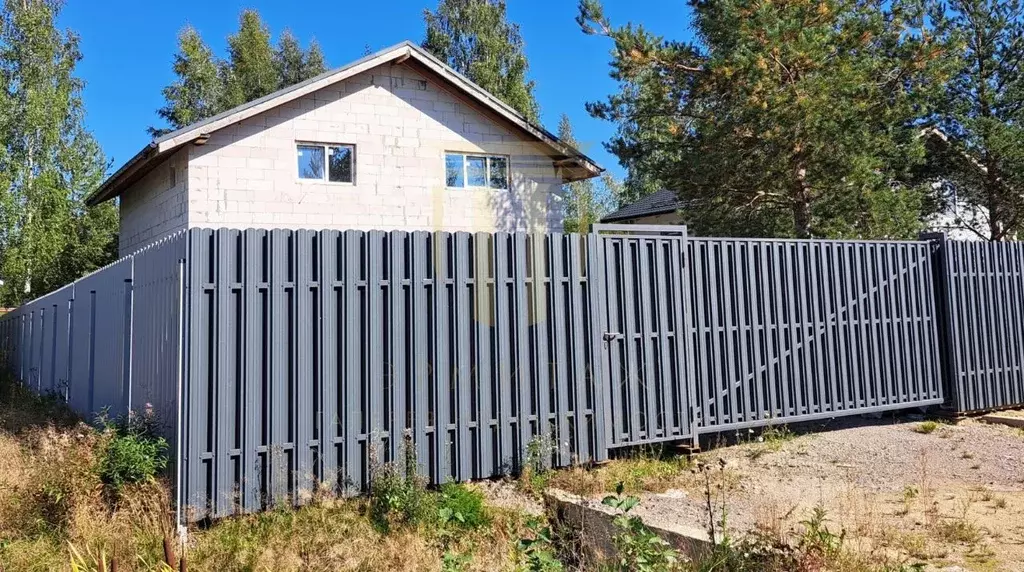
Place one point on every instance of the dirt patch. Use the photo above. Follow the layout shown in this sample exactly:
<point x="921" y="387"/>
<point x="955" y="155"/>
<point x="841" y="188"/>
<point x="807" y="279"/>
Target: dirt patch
<point x="948" y="495"/>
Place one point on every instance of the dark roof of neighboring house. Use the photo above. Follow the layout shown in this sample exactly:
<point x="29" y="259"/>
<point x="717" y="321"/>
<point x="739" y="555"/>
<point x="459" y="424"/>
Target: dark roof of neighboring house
<point x="660" y="202"/>
<point x="574" y="164"/>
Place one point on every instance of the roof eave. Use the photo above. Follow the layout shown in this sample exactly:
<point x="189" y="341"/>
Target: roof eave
<point x="112" y="186"/>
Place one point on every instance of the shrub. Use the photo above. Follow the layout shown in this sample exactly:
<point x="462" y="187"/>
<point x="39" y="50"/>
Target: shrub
<point x="926" y="427"/>
<point x="462" y="507"/>
<point x="132" y="458"/>
<point x="639" y="548"/>
<point x="397" y="499"/>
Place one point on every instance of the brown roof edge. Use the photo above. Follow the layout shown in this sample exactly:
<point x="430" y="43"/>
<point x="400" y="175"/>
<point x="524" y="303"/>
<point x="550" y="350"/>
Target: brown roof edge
<point x="124" y="176"/>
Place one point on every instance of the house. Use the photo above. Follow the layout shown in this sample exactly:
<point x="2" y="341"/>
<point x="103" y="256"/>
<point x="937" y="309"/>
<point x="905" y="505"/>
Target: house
<point x="395" y="140"/>
<point x="661" y="207"/>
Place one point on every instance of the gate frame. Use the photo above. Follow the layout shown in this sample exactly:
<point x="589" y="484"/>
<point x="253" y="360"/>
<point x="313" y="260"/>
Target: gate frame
<point x="600" y="232"/>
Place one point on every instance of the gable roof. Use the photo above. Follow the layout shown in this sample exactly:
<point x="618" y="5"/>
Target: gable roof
<point x="574" y="164"/>
<point x="659" y="202"/>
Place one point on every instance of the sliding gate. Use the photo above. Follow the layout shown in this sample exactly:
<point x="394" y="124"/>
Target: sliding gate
<point x="643" y="301"/>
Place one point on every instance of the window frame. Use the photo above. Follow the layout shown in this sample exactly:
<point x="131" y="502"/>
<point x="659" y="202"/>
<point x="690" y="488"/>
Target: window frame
<point x="487" y="170"/>
<point x="326" y="179"/>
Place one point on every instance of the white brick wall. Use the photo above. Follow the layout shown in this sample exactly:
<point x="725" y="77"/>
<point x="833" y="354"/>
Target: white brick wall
<point x="401" y="126"/>
<point x="154" y="207"/>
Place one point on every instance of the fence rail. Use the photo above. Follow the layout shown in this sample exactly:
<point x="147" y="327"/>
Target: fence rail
<point x="285" y="360"/>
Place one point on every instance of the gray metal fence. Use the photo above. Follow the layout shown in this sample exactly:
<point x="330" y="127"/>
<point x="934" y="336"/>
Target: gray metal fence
<point x="110" y="340"/>
<point x="282" y="361"/>
<point x="643" y="297"/>
<point x="792" y="330"/>
<point x="981" y="291"/>
<point x="314" y="355"/>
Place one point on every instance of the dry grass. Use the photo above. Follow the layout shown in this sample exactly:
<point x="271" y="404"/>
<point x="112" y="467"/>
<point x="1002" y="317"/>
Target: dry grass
<point x="644" y="471"/>
<point x="51" y="494"/>
<point x="52" y="502"/>
<point x="336" y="535"/>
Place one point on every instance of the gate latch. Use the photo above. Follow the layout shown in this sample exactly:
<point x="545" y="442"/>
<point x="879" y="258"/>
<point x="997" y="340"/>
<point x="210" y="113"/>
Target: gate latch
<point x="609" y="336"/>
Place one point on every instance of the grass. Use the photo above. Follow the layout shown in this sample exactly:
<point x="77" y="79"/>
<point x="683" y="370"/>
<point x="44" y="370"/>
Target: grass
<point x="956" y="531"/>
<point x="646" y="470"/>
<point x="926" y="427"/>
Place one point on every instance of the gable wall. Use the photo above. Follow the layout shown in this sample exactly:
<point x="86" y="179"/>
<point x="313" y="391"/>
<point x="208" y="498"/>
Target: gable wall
<point x="153" y="208"/>
<point x="401" y="126"/>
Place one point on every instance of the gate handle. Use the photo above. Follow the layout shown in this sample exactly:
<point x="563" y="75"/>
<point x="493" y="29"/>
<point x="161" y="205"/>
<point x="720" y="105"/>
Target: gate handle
<point x="609" y="336"/>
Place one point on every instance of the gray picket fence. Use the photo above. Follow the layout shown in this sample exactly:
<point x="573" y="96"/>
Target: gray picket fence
<point x="314" y="356"/>
<point x="795" y="330"/>
<point x="282" y="362"/>
<point x="980" y="287"/>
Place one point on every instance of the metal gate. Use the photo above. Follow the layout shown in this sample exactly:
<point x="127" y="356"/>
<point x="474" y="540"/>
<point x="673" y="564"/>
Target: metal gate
<point x="644" y="296"/>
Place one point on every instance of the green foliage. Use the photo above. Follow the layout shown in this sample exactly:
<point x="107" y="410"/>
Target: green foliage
<point x="539" y="551"/>
<point x="133" y="454"/>
<point x="926" y="427"/>
<point x="196" y="94"/>
<point x="817" y="538"/>
<point x="461" y="507"/>
<point x="399" y="498"/>
<point x="783" y="118"/>
<point x="639" y="549"/>
<point x="584" y="204"/>
<point x="49" y="162"/>
<point x="249" y="72"/>
<point x="206" y="85"/>
<point x="294" y="65"/>
<point x="475" y="39"/>
<point x="979" y="158"/>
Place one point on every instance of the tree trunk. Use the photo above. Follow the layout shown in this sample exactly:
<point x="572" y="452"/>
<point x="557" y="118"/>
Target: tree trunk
<point x="801" y="198"/>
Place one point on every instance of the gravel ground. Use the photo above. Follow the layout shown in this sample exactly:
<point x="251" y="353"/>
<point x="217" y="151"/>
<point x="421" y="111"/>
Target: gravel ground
<point x="892" y="489"/>
<point x="889" y="486"/>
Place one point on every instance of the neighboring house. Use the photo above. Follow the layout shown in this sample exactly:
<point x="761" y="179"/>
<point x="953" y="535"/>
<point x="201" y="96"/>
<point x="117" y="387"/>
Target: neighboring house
<point x="395" y="140"/>
<point x="661" y="207"/>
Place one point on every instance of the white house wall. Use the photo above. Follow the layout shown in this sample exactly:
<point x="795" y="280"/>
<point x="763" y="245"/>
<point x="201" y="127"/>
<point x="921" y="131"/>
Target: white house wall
<point x="401" y="125"/>
<point x="155" y="206"/>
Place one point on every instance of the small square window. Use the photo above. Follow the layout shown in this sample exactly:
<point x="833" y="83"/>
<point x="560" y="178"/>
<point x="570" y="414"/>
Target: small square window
<point x="454" y="170"/>
<point x="311" y="161"/>
<point x="333" y="163"/>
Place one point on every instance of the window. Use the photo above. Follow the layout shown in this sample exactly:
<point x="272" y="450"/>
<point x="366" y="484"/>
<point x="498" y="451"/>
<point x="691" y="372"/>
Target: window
<point x="333" y="163"/>
<point x="476" y="171"/>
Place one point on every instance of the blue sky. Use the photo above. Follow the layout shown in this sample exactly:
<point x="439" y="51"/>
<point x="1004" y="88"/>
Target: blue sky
<point x="128" y="47"/>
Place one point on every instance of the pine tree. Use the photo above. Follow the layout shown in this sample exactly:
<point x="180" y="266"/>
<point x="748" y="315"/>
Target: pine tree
<point x="793" y="119"/>
<point x="197" y="93"/>
<point x="983" y="115"/>
<point x="582" y="205"/>
<point x="48" y="161"/>
<point x="249" y="72"/>
<point x="207" y="85"/>
<point x="475" y="38"/>
<point x="294" y="65"/>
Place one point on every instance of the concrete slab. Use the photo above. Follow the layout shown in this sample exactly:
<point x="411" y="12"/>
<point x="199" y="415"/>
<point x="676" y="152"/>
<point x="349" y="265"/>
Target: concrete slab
<point x="1008" y="418"/>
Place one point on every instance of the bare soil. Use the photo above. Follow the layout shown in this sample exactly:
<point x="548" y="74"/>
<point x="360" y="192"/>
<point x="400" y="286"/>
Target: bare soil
<point x="952" y="498"/>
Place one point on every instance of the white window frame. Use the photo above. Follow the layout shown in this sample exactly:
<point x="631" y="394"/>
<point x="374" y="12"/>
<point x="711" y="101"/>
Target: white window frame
<point x="326" y="180"/>
<point x="487" y="170"/>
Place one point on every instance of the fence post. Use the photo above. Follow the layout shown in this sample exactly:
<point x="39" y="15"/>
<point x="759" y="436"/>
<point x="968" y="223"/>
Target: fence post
<point x="939" y="248"/>
<point x="126" y="362"/>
